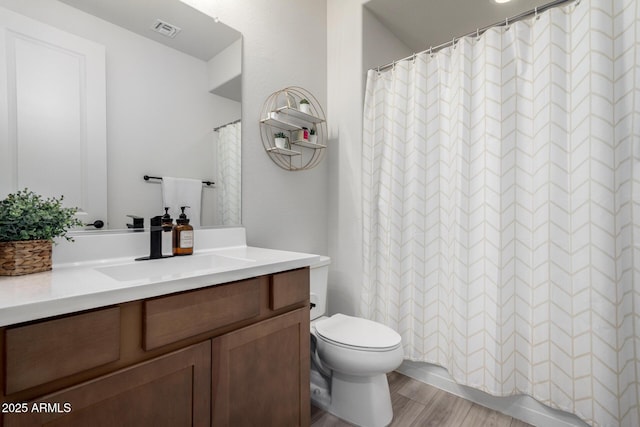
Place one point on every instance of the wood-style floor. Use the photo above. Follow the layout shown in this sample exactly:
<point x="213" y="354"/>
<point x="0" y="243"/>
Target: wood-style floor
<point x="418" y="404"/>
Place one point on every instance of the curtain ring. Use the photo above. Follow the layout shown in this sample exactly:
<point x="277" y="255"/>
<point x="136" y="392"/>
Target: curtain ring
<point x="431" y="51"/>
<point x="535" y="12"/>
<point x="477" y="33"/>
<point x="453" y="43"/>
<point x="393" y="66"/>
<point x="413" y="58"/>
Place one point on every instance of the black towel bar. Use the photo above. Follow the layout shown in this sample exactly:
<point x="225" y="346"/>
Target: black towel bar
<point x="148" y="177"/>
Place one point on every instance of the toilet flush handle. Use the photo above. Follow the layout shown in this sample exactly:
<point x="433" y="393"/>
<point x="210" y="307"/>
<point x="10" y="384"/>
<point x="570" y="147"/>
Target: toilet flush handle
<point x="312" y="305"/>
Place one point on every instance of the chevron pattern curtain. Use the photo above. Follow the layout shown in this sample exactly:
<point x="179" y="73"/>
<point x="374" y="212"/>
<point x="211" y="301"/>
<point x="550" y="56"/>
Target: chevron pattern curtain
<point x="501" y="207"/>
<point x="229" y="175"/>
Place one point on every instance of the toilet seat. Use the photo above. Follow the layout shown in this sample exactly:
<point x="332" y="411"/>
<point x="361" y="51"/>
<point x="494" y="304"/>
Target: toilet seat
<point x="357" y="333"/>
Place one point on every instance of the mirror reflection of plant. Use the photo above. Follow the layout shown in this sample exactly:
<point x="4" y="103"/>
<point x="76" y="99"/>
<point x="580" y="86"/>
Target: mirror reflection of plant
<point x="25" y="215"/>
<point x="304" y="101"/>
<point x="279" y="135"/>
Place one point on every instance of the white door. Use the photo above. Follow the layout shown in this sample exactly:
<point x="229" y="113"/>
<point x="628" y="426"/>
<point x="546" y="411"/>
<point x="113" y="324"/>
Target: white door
<point x="52" y="114"/>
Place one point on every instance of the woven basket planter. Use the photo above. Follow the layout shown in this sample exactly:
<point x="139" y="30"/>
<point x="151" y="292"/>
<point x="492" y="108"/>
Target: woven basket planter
<point x="24" y="257"/>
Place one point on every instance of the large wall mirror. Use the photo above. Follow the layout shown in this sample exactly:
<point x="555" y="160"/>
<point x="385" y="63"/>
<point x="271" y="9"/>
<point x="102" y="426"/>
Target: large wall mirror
<point x="101" y="93"/>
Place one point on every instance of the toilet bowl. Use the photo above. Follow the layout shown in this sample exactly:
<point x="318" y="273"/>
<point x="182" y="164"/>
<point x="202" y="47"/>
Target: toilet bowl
<point x="352" y="357"/>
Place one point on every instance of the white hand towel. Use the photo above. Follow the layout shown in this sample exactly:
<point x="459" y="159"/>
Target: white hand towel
<point x="177" y="192"/>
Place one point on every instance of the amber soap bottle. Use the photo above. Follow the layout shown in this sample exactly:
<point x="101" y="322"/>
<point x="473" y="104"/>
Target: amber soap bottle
<point x="182" y="235"/>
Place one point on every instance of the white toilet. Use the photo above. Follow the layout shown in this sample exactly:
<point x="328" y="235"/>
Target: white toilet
<point x="352" y="358"/>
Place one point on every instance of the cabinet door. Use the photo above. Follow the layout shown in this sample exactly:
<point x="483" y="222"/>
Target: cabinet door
<point x="261" y="373"/>
<point x="172" y="390"/>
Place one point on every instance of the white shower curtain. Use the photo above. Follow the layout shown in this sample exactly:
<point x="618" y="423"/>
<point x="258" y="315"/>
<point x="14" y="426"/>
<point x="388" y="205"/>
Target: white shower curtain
<point x="229" y="175"/>
<point x="501" y="206"/>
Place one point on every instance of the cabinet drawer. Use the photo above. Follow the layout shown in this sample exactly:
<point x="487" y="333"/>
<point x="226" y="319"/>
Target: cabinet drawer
<point x="52" y="349"/>
<point x="170" y="390"/>
<point x="172" y="318"/>
<point x="288" y="288"/>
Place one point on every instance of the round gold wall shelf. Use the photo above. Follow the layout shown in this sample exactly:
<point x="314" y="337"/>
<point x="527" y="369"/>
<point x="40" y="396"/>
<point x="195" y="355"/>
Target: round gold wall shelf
<point x="302" y="124"/>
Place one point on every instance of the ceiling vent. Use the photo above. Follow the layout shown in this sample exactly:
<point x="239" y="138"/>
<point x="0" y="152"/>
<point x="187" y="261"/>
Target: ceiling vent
<point x="165" y="28"/>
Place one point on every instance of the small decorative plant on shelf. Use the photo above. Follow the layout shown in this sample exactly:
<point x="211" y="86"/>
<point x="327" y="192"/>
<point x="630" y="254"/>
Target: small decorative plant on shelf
<point x="28" y="225"/>
<point x="305" y="107"/>
<point x="281" y="140"/>
<point x="313" y="138"/>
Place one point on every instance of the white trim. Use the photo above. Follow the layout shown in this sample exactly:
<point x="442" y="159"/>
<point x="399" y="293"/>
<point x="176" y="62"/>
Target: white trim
<point x="522" y="407"/>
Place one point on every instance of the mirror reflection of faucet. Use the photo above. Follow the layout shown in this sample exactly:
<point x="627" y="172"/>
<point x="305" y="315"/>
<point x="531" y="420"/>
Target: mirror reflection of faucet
<point x="138" y="223"/>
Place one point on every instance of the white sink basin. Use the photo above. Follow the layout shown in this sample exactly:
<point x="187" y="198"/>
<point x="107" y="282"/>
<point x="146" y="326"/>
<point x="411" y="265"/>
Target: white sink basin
<point x="174" y="267"/>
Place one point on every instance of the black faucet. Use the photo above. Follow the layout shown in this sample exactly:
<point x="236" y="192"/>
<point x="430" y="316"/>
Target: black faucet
<point x="155" y="243"/>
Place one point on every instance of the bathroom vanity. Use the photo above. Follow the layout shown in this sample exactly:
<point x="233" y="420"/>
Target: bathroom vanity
<point x="221" y="338"/>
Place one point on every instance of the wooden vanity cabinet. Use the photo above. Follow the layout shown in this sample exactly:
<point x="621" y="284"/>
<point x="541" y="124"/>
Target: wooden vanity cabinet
<point x="227" y="355"/>
<point x="261" y="373"/>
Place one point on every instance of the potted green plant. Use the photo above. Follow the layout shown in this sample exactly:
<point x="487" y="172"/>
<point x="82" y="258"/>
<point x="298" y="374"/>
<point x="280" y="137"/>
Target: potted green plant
<point x="313" y="138"/>
<point x="28" y="225"/>
<point x="305" y="107"/>
<point x="281" y="140"/>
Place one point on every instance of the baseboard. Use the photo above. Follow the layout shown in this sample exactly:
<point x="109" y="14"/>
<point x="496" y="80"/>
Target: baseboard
<point x="524" y="408"/>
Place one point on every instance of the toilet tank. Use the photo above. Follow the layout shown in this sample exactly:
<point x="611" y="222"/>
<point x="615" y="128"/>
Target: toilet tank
<point x="319" y="274"/>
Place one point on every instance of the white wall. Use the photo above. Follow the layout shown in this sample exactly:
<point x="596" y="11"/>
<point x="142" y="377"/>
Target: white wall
<point x="379" y="45"/>
<point x="345" y="89"/>
<point x="356" y="41"/>
<point x="284" y="44"/>
<point x="225" y="66"/>
<point x="156" y="123"/>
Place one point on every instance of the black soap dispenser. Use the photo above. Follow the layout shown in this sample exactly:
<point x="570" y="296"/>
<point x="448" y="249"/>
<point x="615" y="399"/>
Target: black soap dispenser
<point x="182" y="235"/>
<point x="167" y="238"/>
<point x="167" y="221"/>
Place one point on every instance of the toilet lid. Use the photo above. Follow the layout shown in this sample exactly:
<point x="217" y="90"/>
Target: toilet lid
<point x="357" y="332"/>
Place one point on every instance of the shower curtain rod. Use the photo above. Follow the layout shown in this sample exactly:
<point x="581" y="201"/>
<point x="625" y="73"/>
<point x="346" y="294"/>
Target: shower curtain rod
<point x="227" y="124"/>
<point x="479" y="31"/>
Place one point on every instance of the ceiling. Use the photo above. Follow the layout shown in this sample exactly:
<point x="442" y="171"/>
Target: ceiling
<point x="200" y="36"/>
<point x="423" y="23"/>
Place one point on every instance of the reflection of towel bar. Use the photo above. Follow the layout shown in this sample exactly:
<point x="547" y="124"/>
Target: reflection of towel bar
<point x="147" y="178"/>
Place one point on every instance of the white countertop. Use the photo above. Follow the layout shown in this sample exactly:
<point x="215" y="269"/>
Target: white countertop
<point x="89" y="284"/>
